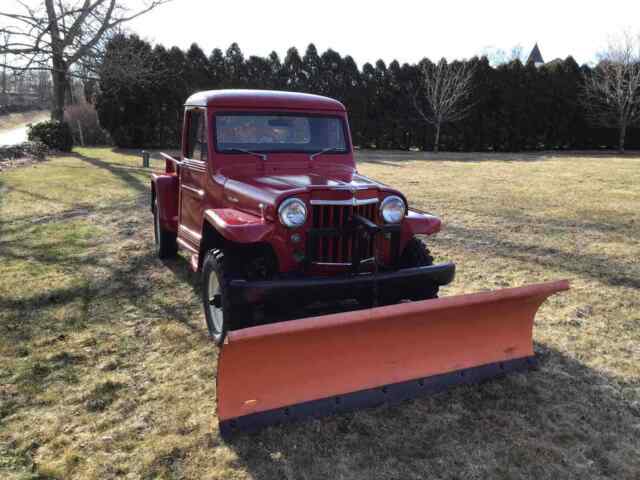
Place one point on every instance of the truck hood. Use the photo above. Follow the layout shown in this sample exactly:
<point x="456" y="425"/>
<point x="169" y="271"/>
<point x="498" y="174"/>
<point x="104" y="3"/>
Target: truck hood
<point x="287" y="182"/>
<point x="248" y="192"/>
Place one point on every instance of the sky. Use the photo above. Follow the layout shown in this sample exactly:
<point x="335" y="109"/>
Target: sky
<point x="406" y="30"/>
<point x="399" y="29"/>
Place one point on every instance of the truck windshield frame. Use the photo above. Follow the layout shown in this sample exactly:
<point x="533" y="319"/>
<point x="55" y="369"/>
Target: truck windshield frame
<point x="311" y="128"/>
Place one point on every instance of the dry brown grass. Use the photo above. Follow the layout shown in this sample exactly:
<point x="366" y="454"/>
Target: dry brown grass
<point x="106" y="372"/>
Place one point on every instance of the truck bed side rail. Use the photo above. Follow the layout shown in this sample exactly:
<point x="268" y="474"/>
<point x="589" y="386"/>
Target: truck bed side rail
<point x="171" y="163"/>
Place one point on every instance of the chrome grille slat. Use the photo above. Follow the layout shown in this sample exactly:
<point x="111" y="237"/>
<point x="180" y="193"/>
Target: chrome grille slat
<point x="338" y="250"/>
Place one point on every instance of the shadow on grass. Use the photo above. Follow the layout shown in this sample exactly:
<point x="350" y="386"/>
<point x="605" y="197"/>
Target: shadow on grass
<point x="598" y="267"/>
<point x="613" y="224"/>
<point x="77" y="211"/>
<point x="121" y="284"/>
<point x="562" y="421"/>
<point x="154" y="152"/>
<point x="97" y="275"/>
<point x="33" y="195"/>
<point x="122" y="171"/>
<point x="395" y="158"/>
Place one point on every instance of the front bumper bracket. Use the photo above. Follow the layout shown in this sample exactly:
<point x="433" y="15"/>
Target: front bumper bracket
<point x="338" y="287"/>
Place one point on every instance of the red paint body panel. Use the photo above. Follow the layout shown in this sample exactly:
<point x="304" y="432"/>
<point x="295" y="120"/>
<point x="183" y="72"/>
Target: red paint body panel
<point x="237" y="226"/>
<point x="263" y="99"/>
<point x="166" y="191"/>
<point x="421" y="224"/>
<point x="238" y="194"/>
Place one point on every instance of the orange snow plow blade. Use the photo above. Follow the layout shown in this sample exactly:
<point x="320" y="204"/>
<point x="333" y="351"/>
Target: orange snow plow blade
<point x="335" y="363"/>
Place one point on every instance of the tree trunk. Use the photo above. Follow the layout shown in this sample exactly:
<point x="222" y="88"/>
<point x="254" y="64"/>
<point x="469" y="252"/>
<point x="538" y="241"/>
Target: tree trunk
<point x="59" y="73"/>
<point x="60" y="87"/>
<point x="623" y="133"/>
<point x="4" y="99"/>
<point x="436" y="143"/>
<point x="4" y="77"/>
<point x="69" y="99"/>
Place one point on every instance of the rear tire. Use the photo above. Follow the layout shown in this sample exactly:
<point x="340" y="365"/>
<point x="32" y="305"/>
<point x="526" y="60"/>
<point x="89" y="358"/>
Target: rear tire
<point x="220" y="314"/>
<point x="165" y="240"/>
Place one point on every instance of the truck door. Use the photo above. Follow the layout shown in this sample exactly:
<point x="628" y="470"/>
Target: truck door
<point x="192" y="176"/>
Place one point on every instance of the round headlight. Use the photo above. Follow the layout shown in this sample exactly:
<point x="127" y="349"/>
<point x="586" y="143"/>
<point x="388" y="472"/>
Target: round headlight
<point x="293" y="213"/>
<point x="392" y="209"/>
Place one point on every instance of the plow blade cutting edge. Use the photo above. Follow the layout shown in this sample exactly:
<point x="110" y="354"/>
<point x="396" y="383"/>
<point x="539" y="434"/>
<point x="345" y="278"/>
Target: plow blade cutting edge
<point x="323" y="365"/>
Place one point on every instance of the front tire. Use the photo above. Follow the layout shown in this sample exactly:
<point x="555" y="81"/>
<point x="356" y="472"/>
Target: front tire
<point x="416" y="254"/>
<point x="165" y="241"/>
<point x="220" y="314"/>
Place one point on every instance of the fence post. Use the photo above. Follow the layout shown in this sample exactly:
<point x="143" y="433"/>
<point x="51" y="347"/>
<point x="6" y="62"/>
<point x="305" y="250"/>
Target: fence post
<point x="145" y="159"/>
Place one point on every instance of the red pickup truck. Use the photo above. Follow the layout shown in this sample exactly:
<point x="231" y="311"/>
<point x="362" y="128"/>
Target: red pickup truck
<point x="267" y="201"/>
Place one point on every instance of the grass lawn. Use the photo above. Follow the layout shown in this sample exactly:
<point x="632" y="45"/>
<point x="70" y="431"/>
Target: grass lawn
<point x="106" y="370"/>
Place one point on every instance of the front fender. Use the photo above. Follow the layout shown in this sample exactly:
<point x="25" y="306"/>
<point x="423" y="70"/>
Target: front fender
<point x="238" y="227"/>
<point x="165" y="188"/>
<point x="415" y="223"/>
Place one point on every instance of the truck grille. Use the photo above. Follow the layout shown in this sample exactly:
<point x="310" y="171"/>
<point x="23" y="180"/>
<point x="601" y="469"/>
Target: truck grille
<point x="338" y="248"/>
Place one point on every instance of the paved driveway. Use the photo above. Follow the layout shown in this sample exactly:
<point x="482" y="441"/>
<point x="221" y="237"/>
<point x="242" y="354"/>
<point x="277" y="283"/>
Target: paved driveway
<point x="18" y="133"/>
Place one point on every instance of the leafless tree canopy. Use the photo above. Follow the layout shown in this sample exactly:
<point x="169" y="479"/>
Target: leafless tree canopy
<point x="443" y="93"/>
<point x="612" y="90"/>
<point x="62" y="36"/>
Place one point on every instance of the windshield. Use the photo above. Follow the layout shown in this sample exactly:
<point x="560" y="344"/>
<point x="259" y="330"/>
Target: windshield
<point x="280" y="133"/>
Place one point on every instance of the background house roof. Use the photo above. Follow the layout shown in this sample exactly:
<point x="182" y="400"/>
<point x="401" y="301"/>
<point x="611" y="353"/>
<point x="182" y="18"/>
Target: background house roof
<point x="535" y="56"/>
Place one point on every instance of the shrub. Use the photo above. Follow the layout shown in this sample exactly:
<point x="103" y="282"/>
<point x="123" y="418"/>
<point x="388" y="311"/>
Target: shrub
<point x="55" y="135"/>
<point x="35" y="150"/>
<point x="85" y="127"/>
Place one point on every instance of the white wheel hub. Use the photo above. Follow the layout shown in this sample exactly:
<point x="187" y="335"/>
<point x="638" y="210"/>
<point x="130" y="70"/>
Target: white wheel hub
<point x="156" y="223"/>
<point x="214" y="302"/>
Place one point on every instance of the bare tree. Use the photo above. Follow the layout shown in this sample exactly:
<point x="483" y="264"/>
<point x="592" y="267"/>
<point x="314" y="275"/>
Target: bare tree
<point x="5" y="42"/>
<point x="56" y="36"/>
<point x="443" y="93"/>
<point x="611" y="93"/>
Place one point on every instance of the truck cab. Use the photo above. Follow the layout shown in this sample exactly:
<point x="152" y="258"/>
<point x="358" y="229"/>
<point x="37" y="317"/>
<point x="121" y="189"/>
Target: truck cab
<point x="267" y="203"/>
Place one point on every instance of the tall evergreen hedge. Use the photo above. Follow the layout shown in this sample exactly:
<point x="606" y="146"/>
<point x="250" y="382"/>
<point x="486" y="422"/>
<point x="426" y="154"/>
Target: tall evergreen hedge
<point x="516" y="107"/>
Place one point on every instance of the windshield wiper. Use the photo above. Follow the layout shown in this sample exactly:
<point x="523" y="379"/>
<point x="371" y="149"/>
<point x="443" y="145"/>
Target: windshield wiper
<point x="314" y="155"/>
<point x="263" y="156"/>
